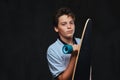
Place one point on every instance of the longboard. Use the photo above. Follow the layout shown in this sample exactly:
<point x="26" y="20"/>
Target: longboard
<point x="82" y="64"/>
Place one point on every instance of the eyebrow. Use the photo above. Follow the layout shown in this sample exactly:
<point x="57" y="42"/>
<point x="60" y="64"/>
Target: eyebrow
<point x="66" y="21"/>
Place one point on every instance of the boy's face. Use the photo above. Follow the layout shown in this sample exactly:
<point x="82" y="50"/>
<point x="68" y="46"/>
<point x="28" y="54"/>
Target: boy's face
<point x="66" y="26"/>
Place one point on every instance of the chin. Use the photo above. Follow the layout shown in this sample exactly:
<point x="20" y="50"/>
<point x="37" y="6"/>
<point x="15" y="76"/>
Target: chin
<point x="70" y="36"/>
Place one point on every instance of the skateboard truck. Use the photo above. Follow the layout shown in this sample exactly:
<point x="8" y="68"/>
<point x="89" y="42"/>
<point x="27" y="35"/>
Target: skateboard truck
<point x="67" y="49"/>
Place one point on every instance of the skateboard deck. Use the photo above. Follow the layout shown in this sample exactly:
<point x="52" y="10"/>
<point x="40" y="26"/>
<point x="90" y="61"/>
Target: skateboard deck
<point x="82" y="65"/>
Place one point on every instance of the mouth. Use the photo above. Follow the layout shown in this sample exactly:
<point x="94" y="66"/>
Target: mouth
<point x="70" y="31"/>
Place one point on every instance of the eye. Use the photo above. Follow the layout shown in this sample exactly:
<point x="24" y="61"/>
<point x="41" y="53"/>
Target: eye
<point x="71" y="22"/>
<point x="63" y="24"/>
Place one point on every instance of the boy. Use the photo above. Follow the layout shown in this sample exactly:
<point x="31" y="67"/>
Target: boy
<point x="62" y="65"/>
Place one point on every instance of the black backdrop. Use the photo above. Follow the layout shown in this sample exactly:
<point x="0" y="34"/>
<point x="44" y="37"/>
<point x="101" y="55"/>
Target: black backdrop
<point x="26" y="31"/>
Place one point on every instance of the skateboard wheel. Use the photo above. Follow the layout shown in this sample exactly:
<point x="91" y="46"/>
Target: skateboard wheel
<point x="67" y="49"/>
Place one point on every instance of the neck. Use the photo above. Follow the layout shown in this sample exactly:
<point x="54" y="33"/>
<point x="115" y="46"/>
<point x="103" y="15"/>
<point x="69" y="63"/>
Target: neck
<point x="67" y="40"/>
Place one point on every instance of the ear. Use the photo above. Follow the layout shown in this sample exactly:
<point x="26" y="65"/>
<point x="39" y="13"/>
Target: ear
<point x="56" y="29"/>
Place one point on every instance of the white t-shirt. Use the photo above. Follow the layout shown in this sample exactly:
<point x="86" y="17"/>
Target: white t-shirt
<point x="57" y="60"/>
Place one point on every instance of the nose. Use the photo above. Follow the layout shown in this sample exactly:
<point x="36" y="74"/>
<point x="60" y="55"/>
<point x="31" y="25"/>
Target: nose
<point x="68" y="26"/>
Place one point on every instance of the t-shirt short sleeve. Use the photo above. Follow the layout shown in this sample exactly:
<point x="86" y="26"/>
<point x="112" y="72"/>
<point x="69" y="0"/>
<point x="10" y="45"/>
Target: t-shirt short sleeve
<point x="55" y="63"/>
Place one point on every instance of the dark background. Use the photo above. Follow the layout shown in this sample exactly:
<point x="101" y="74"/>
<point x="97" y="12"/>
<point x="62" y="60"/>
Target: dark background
<point x="26" y="31"/>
